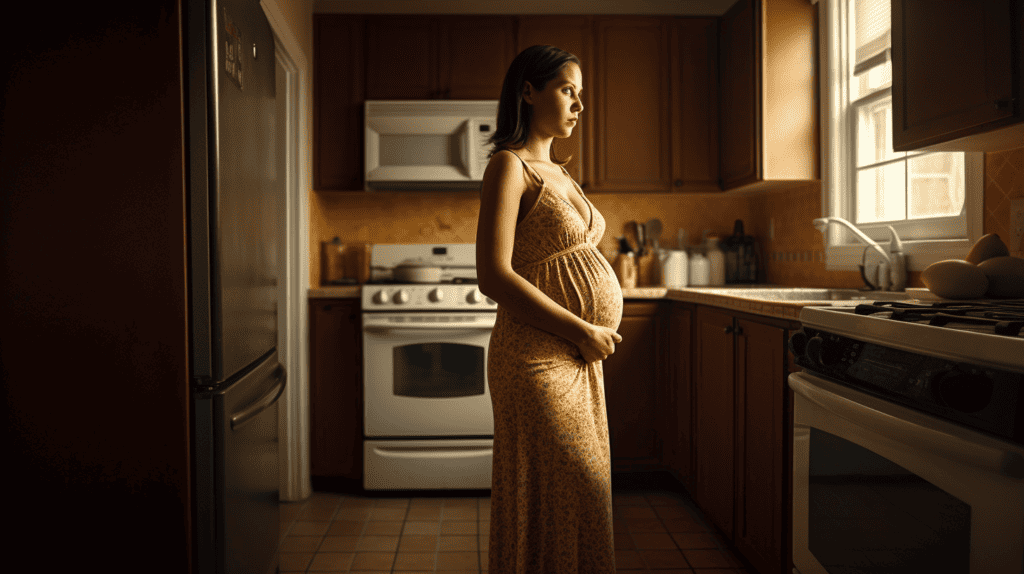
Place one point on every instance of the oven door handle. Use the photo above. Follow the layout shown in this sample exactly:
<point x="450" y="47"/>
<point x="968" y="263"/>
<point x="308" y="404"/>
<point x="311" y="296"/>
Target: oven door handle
<point x="433" y="452"/>
<point x="914" y="430"/>
<point x="422" y="329"/>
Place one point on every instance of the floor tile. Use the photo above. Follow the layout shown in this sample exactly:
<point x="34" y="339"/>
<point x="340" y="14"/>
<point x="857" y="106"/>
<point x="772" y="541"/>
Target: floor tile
<point x="331" y="562"/>
<point x="654" y="541"/>
<point x="656" y="531"/>
<point x="415" y="561"/>
<point x="710" y="559"/>
<point x="659" y="559"/>
<point x="373" y="560"/>
<point x="457" y="544"/>
<point x="418" y="543"/>
<point x="308" y="528"/>
<point x="300" y="544"/>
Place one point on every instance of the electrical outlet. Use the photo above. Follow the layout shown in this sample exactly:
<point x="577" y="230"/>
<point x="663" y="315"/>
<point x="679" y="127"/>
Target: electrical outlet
<point x="1016" y="224"/>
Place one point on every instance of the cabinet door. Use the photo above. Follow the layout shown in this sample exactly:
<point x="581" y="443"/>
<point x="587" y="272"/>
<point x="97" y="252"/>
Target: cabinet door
<point x="714" y="416"/>
<point x="679" y="447"/>
<point x="475" y="52"/>
<point x="694" y="95"/>
<point x="952" y="69"/>
<point x="762" y="515"/>
<point x="401" y="58"/>
<point x="337" y="102"/>
<point x="572" y="34"/>
<point x="630" y="103"/>
<point x="336" y="382"/>
<point x="740" y="94"/>
<point x="630" y="377"/>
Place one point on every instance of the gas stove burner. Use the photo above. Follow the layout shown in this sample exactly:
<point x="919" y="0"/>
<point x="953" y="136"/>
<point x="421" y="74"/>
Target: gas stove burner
<point x="999" y="317"/>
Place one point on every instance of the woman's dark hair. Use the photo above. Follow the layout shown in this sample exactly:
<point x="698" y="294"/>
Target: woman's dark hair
<point x="537" y="65"/>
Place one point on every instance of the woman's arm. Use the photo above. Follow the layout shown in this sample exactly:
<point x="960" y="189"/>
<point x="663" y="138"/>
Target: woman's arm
<point x="503" y="186"/>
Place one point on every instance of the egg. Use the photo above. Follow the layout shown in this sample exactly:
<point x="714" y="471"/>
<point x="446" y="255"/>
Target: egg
<point x="987" y="247"/>
<point x="955" y="279"/>
<point x="1005" y="276"/>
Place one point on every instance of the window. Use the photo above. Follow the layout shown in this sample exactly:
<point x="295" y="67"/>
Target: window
<point x="931" y="199"/>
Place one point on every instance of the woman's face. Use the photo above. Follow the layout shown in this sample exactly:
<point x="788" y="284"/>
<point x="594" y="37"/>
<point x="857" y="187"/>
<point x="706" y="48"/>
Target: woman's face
<point x="556" y="108"/>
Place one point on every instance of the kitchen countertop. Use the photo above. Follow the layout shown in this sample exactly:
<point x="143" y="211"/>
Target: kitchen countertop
<point x="700" y="295"/>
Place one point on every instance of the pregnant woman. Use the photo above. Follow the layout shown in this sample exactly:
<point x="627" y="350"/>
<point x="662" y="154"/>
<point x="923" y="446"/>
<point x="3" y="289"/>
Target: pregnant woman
<point x="558" y="307"/>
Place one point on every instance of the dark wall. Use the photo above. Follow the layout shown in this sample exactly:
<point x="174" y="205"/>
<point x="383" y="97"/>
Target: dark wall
<point x="93" y="287"/>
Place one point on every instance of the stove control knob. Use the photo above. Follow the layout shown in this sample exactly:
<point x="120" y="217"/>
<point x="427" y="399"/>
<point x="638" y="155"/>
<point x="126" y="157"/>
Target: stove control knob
<point x="798" y="343"/>
<point x="967" y="392"/>
<point x="380" y="297"/>
<point x="401" y="297"/>
<point x="475" y="296"/>
<point x="822" y="351"/>
<point x="437" y="295"/>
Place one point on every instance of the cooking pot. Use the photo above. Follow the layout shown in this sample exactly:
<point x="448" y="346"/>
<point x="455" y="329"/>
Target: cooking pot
<point x="416" y="271"/>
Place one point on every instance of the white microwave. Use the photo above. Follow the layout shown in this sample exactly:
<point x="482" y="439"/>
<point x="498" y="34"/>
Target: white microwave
<point x="428" y="144"/>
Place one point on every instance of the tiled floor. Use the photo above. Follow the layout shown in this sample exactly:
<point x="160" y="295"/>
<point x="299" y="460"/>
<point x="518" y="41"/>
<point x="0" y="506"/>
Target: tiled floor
<point x="657" y="530"/>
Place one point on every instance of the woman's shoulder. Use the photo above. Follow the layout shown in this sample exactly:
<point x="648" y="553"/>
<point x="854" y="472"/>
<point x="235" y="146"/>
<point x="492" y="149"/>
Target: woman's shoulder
<point x="503" y="163"/>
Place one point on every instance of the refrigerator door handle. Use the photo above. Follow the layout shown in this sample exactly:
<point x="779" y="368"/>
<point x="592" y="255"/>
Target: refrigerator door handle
<point x="263" y="403"/>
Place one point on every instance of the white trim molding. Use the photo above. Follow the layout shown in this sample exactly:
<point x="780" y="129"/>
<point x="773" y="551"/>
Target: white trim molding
<point x="293" y="420"/>
<point x="842" y="250"/>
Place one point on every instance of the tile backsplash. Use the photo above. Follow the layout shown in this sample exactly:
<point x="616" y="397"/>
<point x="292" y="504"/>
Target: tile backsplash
<point x="793" y="255"/>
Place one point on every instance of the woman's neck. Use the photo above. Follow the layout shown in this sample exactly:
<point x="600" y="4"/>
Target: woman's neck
<point x="536" y="149"/>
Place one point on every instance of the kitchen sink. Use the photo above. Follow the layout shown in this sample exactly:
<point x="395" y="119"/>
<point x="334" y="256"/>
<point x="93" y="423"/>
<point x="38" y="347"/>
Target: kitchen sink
<point x="811" y="294"/>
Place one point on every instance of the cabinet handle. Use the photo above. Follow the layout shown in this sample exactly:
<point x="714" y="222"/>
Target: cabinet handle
<point x="678" y="183"/>
<point x="730" y="330"/>
<point x="1004" y="103"/>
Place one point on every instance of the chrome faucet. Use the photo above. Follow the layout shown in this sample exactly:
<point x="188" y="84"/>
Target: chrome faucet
<point x="892" y="272"/>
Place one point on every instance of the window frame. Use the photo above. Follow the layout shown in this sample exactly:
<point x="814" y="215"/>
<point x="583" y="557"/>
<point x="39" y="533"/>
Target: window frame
<point x="842" y="250"/>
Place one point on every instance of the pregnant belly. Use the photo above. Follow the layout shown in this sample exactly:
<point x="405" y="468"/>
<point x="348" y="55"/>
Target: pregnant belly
<point x="585" y="284"/>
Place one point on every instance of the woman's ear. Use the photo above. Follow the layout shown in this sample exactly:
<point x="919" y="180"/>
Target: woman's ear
<point x="528" y="93"/>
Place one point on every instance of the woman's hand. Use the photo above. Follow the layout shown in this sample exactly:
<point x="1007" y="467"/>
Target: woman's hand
<point x="597" y="343"/>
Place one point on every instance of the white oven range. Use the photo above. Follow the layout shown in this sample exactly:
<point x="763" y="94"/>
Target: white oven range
<point x="428" y="423"/>
<point x="908" y="439"/>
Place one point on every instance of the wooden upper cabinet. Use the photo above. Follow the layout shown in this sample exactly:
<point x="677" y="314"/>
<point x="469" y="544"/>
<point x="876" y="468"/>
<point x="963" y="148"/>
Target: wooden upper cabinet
<point x="338" y="74"/>
<point x="630" y="104"/>
<point x="475" y="52"/>
<point x="437" y="57"/>
<point x="693" y="62"/>
<point x="768" y="111"/>
<point x="956" y="85"/>
<point x="572" y="34"/>
<point x="401" y="58"/>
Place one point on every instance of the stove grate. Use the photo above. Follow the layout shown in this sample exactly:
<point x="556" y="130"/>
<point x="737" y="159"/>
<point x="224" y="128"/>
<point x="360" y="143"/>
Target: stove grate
<point x="997" y="317"/>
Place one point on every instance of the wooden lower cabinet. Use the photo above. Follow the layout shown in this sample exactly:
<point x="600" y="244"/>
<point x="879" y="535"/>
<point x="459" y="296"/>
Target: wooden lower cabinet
<point x="631" y="386"/>
<point x="763" y="511"/>
<point x="742" y="431"/>
<point x="677" y="450"/>
<point x="714" y="404"/>
<point x="335" y="389"/>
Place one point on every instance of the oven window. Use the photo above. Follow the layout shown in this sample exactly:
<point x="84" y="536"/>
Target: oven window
<point x="439" y="370"/>
<point x="870" y="515"/>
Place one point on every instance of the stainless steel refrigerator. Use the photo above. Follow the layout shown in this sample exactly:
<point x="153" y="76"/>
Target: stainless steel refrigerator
<point x="233" y="245"/>
<point x="137" y="286"/>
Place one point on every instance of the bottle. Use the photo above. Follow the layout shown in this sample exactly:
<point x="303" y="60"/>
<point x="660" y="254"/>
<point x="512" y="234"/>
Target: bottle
<point x="716" y="263"/>
<point x="625" y="265"/>
<point x="700" y="271"/>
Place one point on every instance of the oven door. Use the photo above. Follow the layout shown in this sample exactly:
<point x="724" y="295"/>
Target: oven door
<point x="880" y="488"/>
<point x="425" y="374"/>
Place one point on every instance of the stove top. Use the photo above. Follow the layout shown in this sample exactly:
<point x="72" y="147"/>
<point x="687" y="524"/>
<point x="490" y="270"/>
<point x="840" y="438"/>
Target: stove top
<point x="1005" y="318"/>
<point x="959" y="360"/>
<point x="983" y="332"/>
